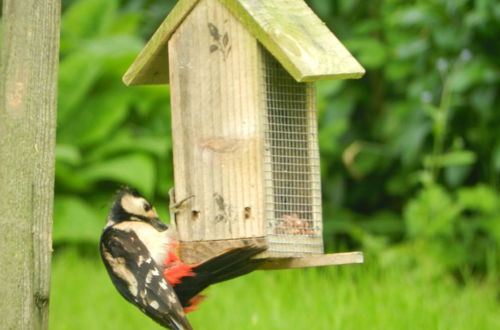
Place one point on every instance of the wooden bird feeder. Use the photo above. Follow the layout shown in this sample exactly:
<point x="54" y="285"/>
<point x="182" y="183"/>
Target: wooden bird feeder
<point x="246" y="158"/>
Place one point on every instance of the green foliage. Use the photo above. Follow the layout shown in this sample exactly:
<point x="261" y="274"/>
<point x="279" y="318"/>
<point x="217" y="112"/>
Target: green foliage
<point x="108" y="134"/>
<point x="410" y="153"/>
<point x="405" y="144"/>
<point x="457" y="231"/>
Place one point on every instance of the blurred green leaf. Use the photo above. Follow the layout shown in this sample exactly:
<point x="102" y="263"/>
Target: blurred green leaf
<point x="75" y="221"/>
<point x="77" y="75"/>
<point x="125" y="24"/>
<point x="465" y="76"/>
<point x="123" y="142"/>
<point x="150" y="98"/>
<point x="496" y="158"/>
<point x="370" y="52"/>
<point x="99" y="116"/>
<point x="136" y="170"/>
<point x="321" y="7"/>
<point x="412" y="48"/>
<point x="456" y="175"/>
<point x="86" y="19"/>
<point x="432" y="212"/>
<point x="452" y="158"/>
<point x="112" y="48"/>
<point x="68" y="154"/>
<point x="479" y="198"/>
<point x="67" y="178"/>
<point x="409" y="16"/>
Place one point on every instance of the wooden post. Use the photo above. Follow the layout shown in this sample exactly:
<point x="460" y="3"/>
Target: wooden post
<point x="28" y="89"/>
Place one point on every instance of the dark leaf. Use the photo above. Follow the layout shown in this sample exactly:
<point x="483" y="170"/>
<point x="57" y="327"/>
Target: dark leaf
<point x="214" y="31"/>
<point x="213" y="48"/>
<point x="225" y="39"/>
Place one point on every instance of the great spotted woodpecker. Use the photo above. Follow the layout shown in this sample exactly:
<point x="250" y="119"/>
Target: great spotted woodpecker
<point x="140" y="255"/>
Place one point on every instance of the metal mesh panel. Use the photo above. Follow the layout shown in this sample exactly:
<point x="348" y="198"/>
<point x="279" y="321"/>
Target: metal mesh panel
<point x="293" y="188"/>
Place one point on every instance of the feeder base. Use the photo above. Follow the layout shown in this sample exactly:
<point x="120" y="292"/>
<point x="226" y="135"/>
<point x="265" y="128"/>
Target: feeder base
<point x="199" y="251"/>
<point x="313" y="260"/>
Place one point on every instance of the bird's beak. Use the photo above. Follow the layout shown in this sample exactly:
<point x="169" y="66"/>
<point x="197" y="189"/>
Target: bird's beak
<point x="158" y="224"/>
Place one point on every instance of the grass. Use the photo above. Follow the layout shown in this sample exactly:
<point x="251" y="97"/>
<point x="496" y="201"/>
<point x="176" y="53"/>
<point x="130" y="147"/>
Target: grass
<point x="347" y="297"/>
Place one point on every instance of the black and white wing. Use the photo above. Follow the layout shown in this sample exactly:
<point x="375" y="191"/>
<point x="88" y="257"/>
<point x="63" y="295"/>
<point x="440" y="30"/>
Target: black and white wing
<point x="139" y="279"/>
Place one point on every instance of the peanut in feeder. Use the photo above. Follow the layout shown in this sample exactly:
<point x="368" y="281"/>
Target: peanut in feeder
<point x="246" y="158"/>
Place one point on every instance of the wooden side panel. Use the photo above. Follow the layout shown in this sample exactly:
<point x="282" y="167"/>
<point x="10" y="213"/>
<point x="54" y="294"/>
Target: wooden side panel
<point x="215" y="122"/>
<point x="196" y="252"/>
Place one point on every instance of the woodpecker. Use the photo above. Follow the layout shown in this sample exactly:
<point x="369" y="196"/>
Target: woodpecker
<point x="140" y="254"/>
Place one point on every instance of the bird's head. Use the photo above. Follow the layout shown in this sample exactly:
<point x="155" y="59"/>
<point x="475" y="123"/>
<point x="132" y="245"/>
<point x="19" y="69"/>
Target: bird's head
<point x="130" y="205"/>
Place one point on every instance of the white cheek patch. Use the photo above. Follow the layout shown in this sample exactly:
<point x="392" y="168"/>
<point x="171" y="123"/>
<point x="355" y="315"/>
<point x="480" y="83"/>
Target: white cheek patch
<point x="133" y="205"/>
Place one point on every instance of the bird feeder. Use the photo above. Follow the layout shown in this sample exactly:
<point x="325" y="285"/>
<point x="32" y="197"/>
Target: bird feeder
<point x="246" y="158"/>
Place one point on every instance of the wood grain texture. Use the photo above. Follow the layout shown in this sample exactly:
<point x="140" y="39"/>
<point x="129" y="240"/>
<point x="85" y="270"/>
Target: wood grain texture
<point x="315" y="260"/>
<point x="28" y="89"/>
<point x="289" y="29"/>
<point x="217" y="136"/>
<point x="298" y="39"/>
<point x="196" y="252"/>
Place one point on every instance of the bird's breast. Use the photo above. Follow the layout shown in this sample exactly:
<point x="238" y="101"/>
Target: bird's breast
<point x="156" y="242"/>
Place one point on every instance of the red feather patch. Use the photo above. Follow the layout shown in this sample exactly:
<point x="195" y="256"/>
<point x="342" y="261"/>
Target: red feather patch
<point x="174" y="272"/>
<point x="193" y="303"/>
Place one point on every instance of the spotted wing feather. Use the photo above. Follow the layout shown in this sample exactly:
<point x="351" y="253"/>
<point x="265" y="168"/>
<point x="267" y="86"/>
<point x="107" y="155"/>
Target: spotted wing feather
<point x="139" y="279"/>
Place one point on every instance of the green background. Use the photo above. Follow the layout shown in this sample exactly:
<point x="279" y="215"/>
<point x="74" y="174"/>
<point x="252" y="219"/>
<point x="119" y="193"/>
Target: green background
<point x="410" y="170"/>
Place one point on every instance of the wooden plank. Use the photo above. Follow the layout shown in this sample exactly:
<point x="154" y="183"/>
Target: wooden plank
<point x="196" y="252"/>
<point x="297" y="38"/>
<point x="151" y="65"/>
<point x="217" y="139"/>
<point x="316" y="260"/>
<point x="28" y="90"/>
<point x="289" y="29"/>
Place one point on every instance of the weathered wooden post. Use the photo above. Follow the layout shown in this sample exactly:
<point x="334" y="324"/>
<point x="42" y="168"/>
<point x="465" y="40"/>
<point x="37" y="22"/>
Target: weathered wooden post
<point x="28" y="89"/>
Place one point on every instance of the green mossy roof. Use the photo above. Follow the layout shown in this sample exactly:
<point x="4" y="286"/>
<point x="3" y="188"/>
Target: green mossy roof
<point x="289" y="29"/>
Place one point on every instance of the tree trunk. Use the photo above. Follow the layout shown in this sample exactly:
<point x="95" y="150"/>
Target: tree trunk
<point x="28" y="89"/>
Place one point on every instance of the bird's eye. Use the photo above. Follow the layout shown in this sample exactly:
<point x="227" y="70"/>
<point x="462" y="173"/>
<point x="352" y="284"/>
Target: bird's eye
<point x="147" y="207"/>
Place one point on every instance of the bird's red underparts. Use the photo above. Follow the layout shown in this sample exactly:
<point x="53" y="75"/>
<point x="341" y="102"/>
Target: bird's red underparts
<point x="175" y="270"/>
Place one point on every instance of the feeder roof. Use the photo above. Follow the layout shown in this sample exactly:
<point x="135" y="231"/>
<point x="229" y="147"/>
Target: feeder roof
<point x="288" y="29"/>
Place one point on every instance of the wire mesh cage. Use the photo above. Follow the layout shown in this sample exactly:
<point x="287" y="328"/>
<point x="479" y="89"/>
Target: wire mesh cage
<point x="292" y="167"/>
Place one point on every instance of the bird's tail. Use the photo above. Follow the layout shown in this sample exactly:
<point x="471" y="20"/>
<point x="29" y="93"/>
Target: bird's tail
<point x="229" y="264"/>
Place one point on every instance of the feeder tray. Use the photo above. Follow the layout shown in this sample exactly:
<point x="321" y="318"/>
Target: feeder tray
<point x="246" y="157"/>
